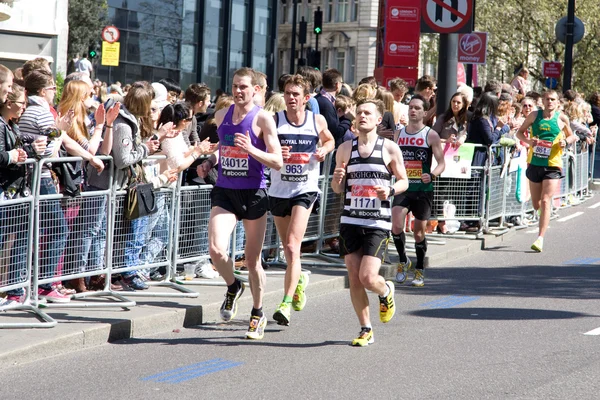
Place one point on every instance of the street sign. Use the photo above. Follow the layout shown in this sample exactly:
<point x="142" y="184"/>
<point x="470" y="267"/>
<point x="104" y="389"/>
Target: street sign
<point x="551" y="83"/>
<point x="472" y="48"/>
<point x="440" y="16"/>
<point x="111" y="53"/>
<point x="561" y="30"/>
<point x="402" y="33"/>
<point x="551" y="69"/>
<point x="111" y="34"/>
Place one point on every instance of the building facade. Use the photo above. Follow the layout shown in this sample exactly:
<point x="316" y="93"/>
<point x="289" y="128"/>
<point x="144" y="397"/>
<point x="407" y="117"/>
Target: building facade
<point x="349" y="38"/>
<point x="25" y="35"/>
<point x="191" y="40"/>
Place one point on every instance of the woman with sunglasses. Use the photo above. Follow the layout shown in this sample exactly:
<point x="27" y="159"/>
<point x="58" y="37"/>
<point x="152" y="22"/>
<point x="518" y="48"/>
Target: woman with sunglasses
<point x="14" y="183"/>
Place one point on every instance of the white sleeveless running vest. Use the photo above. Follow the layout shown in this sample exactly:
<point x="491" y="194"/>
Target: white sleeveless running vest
<point x="300" y="173"/>
<point x="361" y="205"/>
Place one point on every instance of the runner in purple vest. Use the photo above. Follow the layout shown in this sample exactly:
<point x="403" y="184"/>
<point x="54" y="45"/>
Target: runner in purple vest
<point x="247" y="143"/>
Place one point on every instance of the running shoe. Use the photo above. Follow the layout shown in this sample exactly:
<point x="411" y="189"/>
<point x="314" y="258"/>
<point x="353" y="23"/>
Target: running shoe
<point x="387" y="306"/>
<point x="283" y="314"/>
<point x="538" y="245"/>
<point x="299" y="299"/>
<point x="404" y="268"/>
<point x="365" y="338"/>
<point x="229" y="306"/>
<point x="419" y="280"/>
<point x="256" y="330"/>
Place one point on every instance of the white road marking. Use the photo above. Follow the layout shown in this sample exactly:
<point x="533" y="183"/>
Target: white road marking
<point x="533" y="231"/>
<point x="577" y="214"/>
<point x="593" y="332"/>
<point x="595" y="205"/>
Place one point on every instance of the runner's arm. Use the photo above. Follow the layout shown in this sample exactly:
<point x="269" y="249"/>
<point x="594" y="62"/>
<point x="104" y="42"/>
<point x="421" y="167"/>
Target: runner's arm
<point x="526" y="124"/>
<point x="338" y="182"/>
<point x="396" y="164"/>
<point x="436" y="147"/>
<point x="272" y="157"/>
<point x="326" y="138"/>
<point x="570" y="138"/>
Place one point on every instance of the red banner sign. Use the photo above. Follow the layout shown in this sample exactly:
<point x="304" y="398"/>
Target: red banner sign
<point x="402" y="33"/>
<point x="551" y="69"/>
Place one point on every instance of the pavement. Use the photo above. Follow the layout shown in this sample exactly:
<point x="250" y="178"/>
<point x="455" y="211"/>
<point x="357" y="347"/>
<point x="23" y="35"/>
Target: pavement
<point x="162" y="309"/>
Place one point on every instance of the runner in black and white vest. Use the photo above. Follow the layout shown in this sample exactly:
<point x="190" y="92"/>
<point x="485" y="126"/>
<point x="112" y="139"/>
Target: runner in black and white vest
<point x="363" y="174"/>
<point x="294" y="191"/>
<point x="419" y="144"/>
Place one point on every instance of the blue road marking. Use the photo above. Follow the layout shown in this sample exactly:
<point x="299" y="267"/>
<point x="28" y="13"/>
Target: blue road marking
<point x="449" y="302"/>
<point x="192" y="371"/>
<point x="582" y="261"/>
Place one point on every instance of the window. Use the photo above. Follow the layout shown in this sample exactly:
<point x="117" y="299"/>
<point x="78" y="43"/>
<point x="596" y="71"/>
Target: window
<point x="284" y="12"/>
<point x="340" y="60"/>
<point x="328" y="17"/>
<point x="350" y="76"/>
<point x="353" y="10"/>
<point x="342" y="11"/>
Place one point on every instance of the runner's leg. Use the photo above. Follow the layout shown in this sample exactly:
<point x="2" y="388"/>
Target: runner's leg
<point x="255" y="237"/>
<point x="220" y="227"/>
<point x="358" y="294"/>
<point x="549" y="187"/>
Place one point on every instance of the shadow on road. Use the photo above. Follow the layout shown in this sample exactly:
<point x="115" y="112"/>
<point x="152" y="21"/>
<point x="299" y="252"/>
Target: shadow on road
<point x="580" y="282"/>
<point x="498" y="314"/>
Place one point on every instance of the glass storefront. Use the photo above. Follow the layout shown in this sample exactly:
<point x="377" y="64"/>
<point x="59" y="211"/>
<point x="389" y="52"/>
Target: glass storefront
<point x="191" y="40"/>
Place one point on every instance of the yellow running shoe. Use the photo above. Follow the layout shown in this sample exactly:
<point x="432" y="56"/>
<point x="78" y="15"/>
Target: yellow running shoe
<point x="299" y="299"/>
<point x="538" y="245"/>
<point x="365" y="338"/>
<point x="282" y="314"/>
<point x="387" y="306"/>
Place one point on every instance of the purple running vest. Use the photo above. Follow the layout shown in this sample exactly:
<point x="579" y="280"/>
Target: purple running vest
<point x="237" y="170"/>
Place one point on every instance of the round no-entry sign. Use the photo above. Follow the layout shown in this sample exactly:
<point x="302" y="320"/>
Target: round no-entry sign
<point x="111" y="34"/>
<point x="447" y="17"/>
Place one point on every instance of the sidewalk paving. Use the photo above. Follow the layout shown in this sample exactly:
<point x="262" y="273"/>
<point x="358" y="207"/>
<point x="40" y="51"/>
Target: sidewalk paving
<point x="83" y="328"/>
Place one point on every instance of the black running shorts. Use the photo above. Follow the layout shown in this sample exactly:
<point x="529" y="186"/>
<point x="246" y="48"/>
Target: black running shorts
<point x="281" y="207"/>
<point x="373" y="242"/>
<point x="537" y="174"/>
<point x="244" y="203"/>
<point x="419" y="203"/>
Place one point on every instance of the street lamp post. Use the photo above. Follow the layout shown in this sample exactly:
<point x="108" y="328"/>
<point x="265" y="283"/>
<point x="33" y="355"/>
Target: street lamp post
<point x="568" y="72"/>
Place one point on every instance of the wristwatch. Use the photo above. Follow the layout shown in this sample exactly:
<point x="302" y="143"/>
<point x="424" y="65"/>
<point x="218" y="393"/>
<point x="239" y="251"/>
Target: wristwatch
<point x="392" y="191"/>
<point x="432" y="175"/>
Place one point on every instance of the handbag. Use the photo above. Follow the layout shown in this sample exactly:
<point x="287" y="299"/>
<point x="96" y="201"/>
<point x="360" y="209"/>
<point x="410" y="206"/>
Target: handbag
<point x="140" y="200"/>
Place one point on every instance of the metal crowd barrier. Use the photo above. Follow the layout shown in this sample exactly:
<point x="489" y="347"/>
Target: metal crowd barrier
<point x="68" y="234"/>
<point x="16" y="242"/>
<point x="145" y="244"/>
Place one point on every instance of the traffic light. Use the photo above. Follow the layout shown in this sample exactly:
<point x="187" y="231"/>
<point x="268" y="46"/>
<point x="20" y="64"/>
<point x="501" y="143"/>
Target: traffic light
<point x="302" y="32"/>
<point x="93" y="51"/>
<point x="318" y="18"/>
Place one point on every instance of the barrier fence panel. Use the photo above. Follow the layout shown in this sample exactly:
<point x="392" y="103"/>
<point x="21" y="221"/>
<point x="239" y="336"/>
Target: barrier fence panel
<point x="16" y="242"/>
<point x="496" y="191"/>
<point x="143" y="245"/>
<point x="70" y="239"/>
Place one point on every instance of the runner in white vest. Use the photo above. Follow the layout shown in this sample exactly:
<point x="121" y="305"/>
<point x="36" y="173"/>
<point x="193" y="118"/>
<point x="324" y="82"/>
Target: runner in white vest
<point x="295" y="189"/>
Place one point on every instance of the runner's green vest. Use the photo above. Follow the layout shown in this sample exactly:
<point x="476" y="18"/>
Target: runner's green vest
<point x="548" y="152"/>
